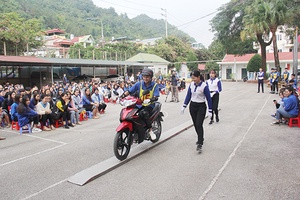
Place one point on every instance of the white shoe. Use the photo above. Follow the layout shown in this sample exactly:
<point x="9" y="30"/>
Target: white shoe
<point x="152" y="135"/>
<point x="36" y="130"/>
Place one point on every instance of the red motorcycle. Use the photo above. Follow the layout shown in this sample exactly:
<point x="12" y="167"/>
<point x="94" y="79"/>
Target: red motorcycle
<point x="132" y="128"/>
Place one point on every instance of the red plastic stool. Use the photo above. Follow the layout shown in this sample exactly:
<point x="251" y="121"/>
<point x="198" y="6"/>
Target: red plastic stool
<point x="295" y="121"/>
<point x="15" y="125"/>
<point x="59" y="123"/>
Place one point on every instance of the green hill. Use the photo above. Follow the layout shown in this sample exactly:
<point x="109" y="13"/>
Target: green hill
<point x="82" y="17"/>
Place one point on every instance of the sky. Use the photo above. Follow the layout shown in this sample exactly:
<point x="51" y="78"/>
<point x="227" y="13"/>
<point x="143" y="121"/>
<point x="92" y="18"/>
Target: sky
<point x="190" y="16"/>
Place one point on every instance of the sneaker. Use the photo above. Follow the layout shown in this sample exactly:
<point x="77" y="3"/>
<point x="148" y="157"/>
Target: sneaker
<point x="152" y="135"/>
<point x="273" y="116"/>
<point x="211" y="122"/>
<point x="79" y="123"/>
<point x="36" y="130"/>
<point x="199" y="147"/>
<point x="217" y="119"/>
<point x="67" y="127"/>
<point x="275" y="123"/>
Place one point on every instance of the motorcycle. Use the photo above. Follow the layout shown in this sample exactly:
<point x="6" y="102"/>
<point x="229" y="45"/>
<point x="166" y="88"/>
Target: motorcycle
<point x="132" y="129"/>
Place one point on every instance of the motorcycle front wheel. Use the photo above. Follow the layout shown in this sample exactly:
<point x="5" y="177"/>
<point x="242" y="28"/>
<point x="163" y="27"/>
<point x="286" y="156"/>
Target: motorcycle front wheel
<point x="122" y="144"/>
<point x="156" y="128"/>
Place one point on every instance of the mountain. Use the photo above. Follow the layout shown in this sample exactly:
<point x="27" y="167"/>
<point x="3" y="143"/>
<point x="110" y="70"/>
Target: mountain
<point x="83" y="17"/>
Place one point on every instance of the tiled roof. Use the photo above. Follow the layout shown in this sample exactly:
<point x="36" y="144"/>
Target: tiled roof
<point x="147" y="58"/>
<point x="56" y="30"/>
<point x="245" y="58"/>
<point x="201" y="66"/>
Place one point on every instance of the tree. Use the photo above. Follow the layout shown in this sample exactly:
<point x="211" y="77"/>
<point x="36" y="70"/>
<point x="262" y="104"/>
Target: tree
<point x="256" y="26"/>
<point x="16" y="33"/>
<point x="276" y="13"/>
<point x="254" y="63"/>
<point x="227" y="25"/>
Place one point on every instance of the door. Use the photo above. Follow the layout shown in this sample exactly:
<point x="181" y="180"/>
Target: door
<point x="228" y="73"/>
<point x="244" y="72"/>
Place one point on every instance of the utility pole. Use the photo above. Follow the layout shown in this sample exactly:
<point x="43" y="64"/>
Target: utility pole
<point x="102" y="36"/>
<point x="295" y="53"/>
<point x="166" y="20"/>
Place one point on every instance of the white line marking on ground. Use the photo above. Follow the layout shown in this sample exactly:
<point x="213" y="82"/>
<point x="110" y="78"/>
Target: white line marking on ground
<point x="43" y="190"/>
<point x="217" y="176"/>
<point x="22" y="158"/>
<point x="34" y="136"/>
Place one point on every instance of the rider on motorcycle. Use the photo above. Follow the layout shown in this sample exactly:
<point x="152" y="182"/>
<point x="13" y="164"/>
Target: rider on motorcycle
<point x="147" y="106"/>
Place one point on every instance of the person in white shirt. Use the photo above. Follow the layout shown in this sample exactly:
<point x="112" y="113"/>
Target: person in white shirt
<point x="43" y="109"/>
<point x="198" y="93"/>
<point x="215" y="87"/>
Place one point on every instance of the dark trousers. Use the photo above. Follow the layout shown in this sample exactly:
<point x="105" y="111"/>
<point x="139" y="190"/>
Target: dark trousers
<point x="145" y="115"/>
<point x="46" y="117"/>
<point x="102" y="106"/>
<point x="260" y="83"/>
<point x="65" y="116"/>
<point x="34" y="119"/>
<point x="275" y="85"/>
<point x="198" y="112"/>
<point x="215" y="104"/>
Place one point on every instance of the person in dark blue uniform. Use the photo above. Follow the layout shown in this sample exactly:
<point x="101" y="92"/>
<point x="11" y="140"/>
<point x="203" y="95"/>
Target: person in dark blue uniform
<point x="198" y="93"/>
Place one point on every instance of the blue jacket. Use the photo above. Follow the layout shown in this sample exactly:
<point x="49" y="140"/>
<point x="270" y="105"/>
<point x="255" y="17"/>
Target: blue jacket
<point x="24" y="118"/>
<point x="291" y="105"/>
<point x="13" y="111"/>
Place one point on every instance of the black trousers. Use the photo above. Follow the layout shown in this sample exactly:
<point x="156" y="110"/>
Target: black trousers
<point x="215" y="105"/>
<point x="260" y="83"/>
<point x="102" y="106"/>
<point x="275" y="85"/>
<point x="198" y="112"/>
<point x="46" y="117"/>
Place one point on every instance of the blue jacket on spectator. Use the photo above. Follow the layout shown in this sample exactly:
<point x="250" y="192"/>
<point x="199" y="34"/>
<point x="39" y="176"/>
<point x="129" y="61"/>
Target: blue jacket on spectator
<point x="85" y="100"/>
<point x="24" y="118"/>
<point x="13" y="111"/>
<point x="291" y="105"/>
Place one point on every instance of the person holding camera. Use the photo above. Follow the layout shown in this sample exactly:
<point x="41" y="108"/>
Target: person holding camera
<point x="198" y="93"/>
<point x="174" y="87"/>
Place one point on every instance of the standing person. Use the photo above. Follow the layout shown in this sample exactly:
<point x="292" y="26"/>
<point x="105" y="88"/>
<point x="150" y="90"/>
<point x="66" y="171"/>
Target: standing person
<point x="174" y="87"/>
<point x="274" y="76"/>
<point x="198" y="93"/>
<point x="293" y="77"/>
<point x="215" y="87"/>
<point x="65" y="79"/>
<point x="260" y="77"/>
<point x="285" y="76"/>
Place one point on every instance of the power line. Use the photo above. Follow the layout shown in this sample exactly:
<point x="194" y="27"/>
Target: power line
<point x="129" y="7"/>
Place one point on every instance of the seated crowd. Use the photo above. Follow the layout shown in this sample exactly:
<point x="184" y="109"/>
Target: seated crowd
<point x="288" y="105"/>
<point x="42" y="107"/>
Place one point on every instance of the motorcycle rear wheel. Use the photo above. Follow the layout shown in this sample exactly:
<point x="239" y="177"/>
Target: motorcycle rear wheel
<point x="156" y="128"/>
<point x="122" y="144"/>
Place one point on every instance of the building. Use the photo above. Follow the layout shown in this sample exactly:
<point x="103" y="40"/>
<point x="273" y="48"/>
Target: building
<point x="234" y="67"/>
<point x="156" y="63"/>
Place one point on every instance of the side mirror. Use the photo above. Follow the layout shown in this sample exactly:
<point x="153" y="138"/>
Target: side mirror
<point x="145" y="92"/>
